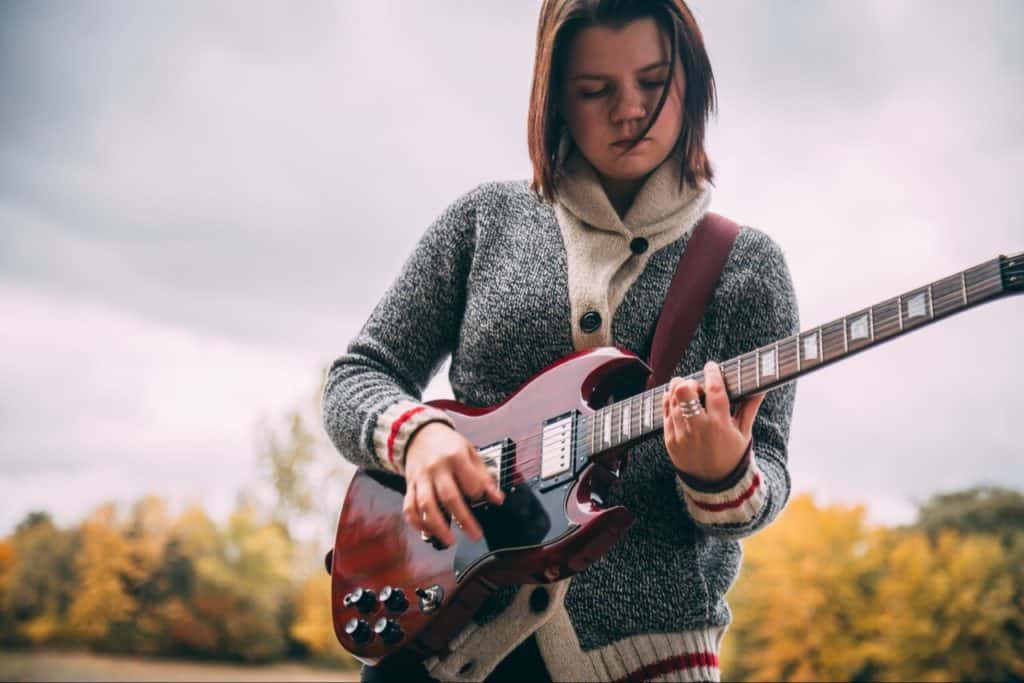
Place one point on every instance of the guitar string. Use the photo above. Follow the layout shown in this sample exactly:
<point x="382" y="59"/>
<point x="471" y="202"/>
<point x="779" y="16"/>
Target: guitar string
<point x="635" y="417"/>
<point x="785" y="356"/>
<point x="791" y="351"/>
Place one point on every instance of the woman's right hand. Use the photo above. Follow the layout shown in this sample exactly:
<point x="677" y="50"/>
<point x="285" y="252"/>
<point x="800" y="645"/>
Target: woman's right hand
<point x="442" y="468"/>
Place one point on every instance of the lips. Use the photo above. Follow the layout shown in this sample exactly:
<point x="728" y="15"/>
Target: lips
<point x="625" y="143"/>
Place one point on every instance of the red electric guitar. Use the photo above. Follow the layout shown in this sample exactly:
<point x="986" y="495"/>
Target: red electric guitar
<point x="554" y="446"/>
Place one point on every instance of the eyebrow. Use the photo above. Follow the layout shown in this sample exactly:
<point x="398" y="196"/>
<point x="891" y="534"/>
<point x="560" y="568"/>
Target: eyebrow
<point x="601" y="77"/>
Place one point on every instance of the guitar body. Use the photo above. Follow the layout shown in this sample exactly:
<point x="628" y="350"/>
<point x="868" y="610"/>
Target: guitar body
<point x="549" y="527"/>
<point x="554" y="447"/>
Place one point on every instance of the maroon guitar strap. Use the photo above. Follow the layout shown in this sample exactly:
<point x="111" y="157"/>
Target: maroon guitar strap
<point x="695" y="278"/>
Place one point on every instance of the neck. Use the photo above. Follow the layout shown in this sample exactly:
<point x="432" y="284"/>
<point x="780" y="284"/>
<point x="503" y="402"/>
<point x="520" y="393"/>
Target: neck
<point x="621" y="193"/>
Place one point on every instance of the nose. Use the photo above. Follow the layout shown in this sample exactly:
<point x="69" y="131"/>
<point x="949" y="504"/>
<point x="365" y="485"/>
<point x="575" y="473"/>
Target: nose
<point x="630" y="106"/>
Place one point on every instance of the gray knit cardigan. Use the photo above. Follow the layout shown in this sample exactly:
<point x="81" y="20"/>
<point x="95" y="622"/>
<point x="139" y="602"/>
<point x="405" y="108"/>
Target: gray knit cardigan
<point x="488" y="284"/>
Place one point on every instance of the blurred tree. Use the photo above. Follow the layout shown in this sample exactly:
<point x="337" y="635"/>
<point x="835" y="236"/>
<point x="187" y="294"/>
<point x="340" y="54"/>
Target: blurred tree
<point x="307" y="475"/>
<point x="104" y="566"/>
<point x="801" y="595"/>
<point x="986" y="510"/>
<point x="41" y="580"/>
<point x="244" y="583"/>
<point x="8" y="633"/>
<point x="945" y="610"/>
<point x="313" y="625"/>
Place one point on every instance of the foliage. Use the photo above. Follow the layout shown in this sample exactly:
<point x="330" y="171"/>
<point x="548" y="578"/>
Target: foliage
<point x="824" y="596"/>
<point x="982" y="510"/>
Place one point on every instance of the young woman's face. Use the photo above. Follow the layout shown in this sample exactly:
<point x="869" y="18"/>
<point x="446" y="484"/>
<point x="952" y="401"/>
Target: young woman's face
<point x="612" y="81"/>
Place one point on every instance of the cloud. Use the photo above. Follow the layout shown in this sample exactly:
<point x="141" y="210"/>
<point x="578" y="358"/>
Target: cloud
<point x="199" y="205"/>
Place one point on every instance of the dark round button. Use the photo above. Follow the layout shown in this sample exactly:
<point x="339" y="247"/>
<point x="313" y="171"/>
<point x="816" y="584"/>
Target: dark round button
<point x="590" y="321"/>
<point x="358" y="630"/>
<point x="539" y="599"/>
<point x="638" y="245"/>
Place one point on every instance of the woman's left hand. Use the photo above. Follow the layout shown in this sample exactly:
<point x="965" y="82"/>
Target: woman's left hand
<point x="709" y="445"/>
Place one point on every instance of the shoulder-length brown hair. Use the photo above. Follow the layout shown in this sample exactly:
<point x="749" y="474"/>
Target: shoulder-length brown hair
<point x="560" y="21"/>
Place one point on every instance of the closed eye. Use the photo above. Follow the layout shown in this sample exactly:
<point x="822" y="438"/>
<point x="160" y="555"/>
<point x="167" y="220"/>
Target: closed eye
<point x="594" y="94"/>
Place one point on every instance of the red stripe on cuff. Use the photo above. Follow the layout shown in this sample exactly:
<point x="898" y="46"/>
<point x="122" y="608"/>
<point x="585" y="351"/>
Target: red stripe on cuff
<point x="728" y="505"/>
<point x="396" y="426"/>
<point x="690" y="660"/>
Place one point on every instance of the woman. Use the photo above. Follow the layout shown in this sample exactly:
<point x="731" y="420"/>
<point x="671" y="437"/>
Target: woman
<point x="514" y="276"/>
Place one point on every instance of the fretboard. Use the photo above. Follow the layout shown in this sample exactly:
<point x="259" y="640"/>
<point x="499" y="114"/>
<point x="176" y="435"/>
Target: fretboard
<point x="639" y="417"/>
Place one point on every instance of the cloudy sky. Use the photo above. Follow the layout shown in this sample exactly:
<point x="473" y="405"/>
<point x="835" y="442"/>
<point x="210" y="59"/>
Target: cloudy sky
<point x="201" y="202"/>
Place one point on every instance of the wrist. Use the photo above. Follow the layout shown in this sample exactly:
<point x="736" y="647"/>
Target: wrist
<point x="429" y="425"/>
<point x="715" y="485"/>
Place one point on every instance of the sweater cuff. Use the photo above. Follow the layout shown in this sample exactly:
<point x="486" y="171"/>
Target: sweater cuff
<point x="395" y="428"/>
<point x="726" y="482"/>
<point x="738" y="504"/>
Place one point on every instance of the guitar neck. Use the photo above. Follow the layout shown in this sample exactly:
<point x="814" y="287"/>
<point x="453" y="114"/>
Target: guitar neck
<point x="639" y="417"/>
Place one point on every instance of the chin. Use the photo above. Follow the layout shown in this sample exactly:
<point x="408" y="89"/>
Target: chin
<point x="629" y="168"/>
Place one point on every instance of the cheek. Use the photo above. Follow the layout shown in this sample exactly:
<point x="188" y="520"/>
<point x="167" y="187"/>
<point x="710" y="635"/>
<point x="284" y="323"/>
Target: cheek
<point x="670" y="119"/>
<point x="586" y="122"/>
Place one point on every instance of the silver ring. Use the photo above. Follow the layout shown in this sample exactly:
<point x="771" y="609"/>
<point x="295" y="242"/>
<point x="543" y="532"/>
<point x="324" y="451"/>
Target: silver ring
<point x="691" y="408"/>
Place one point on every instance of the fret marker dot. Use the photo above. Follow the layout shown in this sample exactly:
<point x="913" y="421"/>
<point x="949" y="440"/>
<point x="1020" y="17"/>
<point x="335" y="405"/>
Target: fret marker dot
<point x="916" y="305"/>
<point x="811" y="347"/>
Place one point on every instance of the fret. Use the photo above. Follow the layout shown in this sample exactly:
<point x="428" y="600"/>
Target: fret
<point x="833" y="339"/>
<point x="871" y="324"/>
<point x="727" y="372"/>
<point x="931" y="313"/>
<point x="757" y="368"/>
<point x="647" y="419"/>
<point x="739" y="376"/>
<point x="606" y="429"/>
<point x="789" y="357"/>
<point x="885" y="319"/>
<point x="963" y="286"/>
<point x="899" y="303"/>
<point x="626" y="417"/>
<point x="983" y="281"/>
<point x="749" y="363"/>
<point x="947" y="295"/>
<point x="846" y="340"/>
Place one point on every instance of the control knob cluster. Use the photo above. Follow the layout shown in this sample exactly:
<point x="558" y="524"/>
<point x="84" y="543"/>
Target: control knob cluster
<point x="391" y="599"/>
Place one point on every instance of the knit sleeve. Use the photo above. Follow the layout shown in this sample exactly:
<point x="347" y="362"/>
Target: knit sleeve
<point x="371" y="399"/>
<point x="760" y="308"/>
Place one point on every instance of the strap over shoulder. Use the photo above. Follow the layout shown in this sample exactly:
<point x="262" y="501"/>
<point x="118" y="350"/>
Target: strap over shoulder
<point x="695" y="278"/>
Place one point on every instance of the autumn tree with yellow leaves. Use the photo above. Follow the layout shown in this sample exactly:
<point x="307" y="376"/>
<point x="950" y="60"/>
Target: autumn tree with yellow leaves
<point x="823" y="595"/>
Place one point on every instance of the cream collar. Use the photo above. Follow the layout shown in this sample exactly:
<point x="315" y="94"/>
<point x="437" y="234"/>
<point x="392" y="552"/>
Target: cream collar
<point x="659" y="204"/>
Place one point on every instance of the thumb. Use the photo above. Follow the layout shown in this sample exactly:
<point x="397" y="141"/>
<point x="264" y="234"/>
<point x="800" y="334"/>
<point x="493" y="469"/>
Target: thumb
<point x="746" y="413"/>
<point x="493" y="493"/>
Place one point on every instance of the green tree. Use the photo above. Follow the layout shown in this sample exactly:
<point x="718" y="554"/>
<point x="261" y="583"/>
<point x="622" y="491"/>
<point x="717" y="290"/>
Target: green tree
<point x="984" y="510"/>
<point x="41" y="580"/>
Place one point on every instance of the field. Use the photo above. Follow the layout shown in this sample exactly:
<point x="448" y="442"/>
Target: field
<point x="76" y="666"/>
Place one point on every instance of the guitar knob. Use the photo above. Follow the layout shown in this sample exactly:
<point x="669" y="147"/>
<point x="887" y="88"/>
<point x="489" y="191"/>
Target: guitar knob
<point x="364" y="599"/>
<point x="393" y="599"/>
<point x="358" y="630"/>
<point x="389" y="630"/>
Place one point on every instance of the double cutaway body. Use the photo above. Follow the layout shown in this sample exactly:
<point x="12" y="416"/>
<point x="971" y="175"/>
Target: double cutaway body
<point x="392" y="590"/>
